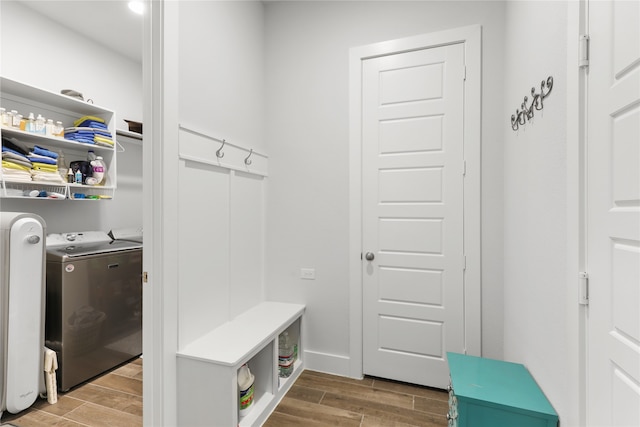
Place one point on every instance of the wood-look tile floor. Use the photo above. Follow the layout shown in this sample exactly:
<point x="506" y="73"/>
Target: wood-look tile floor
<point x="318" y="399"/>
<point x="110" y="400"/>
<point x="315" y="399"/>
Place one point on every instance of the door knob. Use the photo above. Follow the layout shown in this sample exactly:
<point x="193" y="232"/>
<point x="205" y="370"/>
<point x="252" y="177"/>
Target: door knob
<point x="369" y="256"/>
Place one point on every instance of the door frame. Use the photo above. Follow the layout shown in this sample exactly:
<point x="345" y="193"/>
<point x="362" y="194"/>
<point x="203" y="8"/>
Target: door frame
<point x="471" y="37"/>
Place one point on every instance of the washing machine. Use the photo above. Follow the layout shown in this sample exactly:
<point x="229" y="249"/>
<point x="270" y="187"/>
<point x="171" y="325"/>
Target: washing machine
<point x="93" y="304"/>
<point x="22" y="278"/>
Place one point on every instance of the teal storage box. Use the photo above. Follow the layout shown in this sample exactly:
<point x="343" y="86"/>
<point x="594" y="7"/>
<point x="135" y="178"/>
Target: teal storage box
<point x="493" y="393"/>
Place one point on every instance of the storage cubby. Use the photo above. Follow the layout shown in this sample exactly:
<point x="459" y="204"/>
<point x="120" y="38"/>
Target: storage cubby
<point x="26" y="99"/>
<point x="208" y="367"/>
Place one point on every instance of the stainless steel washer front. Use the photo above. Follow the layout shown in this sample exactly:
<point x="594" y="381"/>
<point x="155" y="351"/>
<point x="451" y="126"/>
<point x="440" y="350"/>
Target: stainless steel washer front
<point x="93" y="308"/>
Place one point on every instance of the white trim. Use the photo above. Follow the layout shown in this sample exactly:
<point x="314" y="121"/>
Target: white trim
<point x="471" y="36"/>
<point x="329" y="363"/>
<point x="576" y="255"/>
<point x="160" y="153"/>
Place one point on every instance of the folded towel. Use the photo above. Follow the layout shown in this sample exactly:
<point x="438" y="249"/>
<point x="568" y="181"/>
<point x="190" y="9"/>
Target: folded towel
<point x="15" y="145"/>
<point x="99" y="138"/>
<point x="26" y="163"/>
<point x="10" y="154"/>
<point x="93" y="125"/>
<point x="42" y="159"/>
<point x="12" y="165"/>
<point x="88" y="118"/>
<point x="50" y="367"/>
<point x="44" y="167"/>
<point x="15" y="175"/>
<point x="44" y="152"/>
<point x="88" y="139"/>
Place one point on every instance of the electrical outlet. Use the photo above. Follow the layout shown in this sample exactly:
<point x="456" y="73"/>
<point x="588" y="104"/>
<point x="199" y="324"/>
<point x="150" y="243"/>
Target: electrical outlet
<point x="308" y="273"/>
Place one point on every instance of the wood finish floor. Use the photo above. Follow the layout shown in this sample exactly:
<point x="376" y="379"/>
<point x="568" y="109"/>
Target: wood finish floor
<point x="110" y="400"/>
<point x="316" y="399"/>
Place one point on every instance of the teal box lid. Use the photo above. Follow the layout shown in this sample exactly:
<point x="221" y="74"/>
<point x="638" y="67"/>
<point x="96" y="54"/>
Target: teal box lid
<point x="504" y="383"/>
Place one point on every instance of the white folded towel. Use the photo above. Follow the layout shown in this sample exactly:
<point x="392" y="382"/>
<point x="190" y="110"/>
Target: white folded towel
<point x="50" y="367"/>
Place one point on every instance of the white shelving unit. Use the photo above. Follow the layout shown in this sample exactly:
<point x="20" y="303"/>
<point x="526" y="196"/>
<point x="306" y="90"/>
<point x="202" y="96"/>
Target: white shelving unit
<point x="208" y="367"/>
<point x="25" y="98"/>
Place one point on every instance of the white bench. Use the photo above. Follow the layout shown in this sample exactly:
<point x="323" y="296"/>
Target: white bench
<point x="207" y="368"/>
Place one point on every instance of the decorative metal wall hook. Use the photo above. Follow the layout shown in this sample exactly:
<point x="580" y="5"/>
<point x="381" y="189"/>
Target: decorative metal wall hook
<point x="247" y="161"/>
<point x="219" y="153"/>
<point x="527" y="112"/>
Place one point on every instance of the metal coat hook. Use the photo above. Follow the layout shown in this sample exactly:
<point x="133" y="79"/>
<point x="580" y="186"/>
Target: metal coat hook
<point x="247" y="161"/>
<point x="219" y="153"/>
<point x="521" y="116"/>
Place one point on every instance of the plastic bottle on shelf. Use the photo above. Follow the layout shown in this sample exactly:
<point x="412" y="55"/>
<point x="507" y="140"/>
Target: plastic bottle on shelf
<point x="31" y="123"/>
<point x="4" y="118"/>
<point x="91" y="155"/>
<point x="49" y="127"/>
<point x="78" y="176"/>
<point x="246" y="389"/>
<point x="285" y="355"/>
<point x="40" y="125"/>
<point x="58" y="130"/>
<point x="99" y="170"/>
<point x="15" y="119"/>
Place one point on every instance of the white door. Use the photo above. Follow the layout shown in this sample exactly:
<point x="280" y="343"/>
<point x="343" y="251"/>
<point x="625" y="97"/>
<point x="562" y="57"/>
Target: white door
<point x="613" y="214"/>
<point x="413" y="165"/>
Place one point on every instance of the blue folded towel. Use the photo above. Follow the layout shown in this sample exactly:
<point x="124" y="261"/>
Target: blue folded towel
<point x="44" y="152"/>
<point x="9" y="150"/>
<point x="88" y="139"/>
<point x="46" y="160"/>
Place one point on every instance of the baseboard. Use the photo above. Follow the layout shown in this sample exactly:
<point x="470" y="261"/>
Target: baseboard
<point x="327" y="363"/>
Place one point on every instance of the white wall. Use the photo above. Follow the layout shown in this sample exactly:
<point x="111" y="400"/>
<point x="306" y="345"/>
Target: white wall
<point x="221" y="211"/>
<point x="221" y="69"/>
<point x="307" y="122"/>
<point x="535" y="201"/>
<point x="67" y="60"/>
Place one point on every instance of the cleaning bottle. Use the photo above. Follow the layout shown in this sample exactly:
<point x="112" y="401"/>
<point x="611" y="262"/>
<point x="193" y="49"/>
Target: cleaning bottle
<point x="78" y="176"/>
<point x="99" y="170"/>
<point x="245" y="387"/>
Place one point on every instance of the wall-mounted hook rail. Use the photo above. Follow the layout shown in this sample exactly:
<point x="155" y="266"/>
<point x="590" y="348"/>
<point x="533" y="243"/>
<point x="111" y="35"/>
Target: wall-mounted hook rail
<point x="521" y="116"/>
<point x="219" y="152"/>
<point x="194" y="147"/>
<point x="247" y="160"/>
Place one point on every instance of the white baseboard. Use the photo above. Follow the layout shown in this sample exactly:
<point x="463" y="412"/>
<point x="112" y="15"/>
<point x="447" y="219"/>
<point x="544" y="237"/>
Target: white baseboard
<point x="327" y="363"/>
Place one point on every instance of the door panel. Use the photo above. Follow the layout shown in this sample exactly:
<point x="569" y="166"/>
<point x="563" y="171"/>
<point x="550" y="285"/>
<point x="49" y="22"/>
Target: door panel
<point x="413" y="213"/>
<point x="411" y="134"/>
<point x="613" y="219"/>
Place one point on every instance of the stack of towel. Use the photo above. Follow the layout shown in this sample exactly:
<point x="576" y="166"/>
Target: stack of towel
<point x="16" y="166"/>
<point x="89" y="130"/>
<point x="44" y="165"/>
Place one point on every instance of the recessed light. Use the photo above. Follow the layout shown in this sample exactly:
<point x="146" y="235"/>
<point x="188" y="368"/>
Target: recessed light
<point x="137" y="7"/>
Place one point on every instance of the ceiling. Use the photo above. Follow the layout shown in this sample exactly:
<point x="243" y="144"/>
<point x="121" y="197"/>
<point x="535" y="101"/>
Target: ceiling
<point x="107" y="22"/>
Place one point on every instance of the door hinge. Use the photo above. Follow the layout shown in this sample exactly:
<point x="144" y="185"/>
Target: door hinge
<point x="583" y="283"/>
<point x="145" y="277"/>
<point x="583" y="51"/>
<point x="464" y="262"/>
<point x="464" y="168"/>
<point x="464" y="73"/>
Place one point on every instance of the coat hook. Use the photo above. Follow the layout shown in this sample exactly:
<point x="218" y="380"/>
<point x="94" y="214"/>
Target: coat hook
<point x="219" y="153"/>
<point x="526" y="114"/>
<point x="247" y="161"/>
